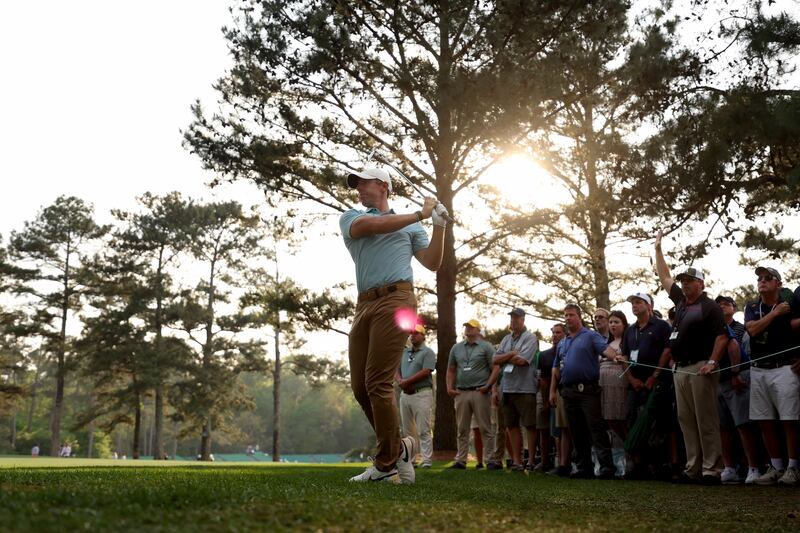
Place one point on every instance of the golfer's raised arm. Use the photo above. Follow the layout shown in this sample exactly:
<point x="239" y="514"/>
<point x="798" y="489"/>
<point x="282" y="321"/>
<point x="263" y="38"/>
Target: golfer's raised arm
<point x="366" y="226"/>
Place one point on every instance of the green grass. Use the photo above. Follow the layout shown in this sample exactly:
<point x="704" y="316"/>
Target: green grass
<point x="86" y="495"/>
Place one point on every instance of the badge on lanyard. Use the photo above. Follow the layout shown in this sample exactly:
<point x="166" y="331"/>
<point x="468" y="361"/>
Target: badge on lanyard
<point x="509" y="368"/>
<point x="673" y="336"/>
<point x="634" y="355"/>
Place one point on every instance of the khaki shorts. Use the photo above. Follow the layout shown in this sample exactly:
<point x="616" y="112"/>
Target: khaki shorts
<point x="542" y="413"/>
<point x="774" y="394"/>
<point x="561" y="413"/>
<point x="519" y="408"/>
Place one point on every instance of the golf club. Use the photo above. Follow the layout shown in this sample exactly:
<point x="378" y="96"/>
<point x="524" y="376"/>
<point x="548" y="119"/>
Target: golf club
<point x="380" y="159"/>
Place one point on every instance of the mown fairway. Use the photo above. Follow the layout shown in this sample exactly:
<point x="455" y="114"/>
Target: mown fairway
<point x="82" y="495"/>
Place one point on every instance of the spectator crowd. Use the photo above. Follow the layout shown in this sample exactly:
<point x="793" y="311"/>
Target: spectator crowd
<point x="696" y="398"/>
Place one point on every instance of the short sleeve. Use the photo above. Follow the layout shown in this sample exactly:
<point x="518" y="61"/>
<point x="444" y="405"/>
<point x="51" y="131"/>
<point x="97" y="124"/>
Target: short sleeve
<point x="419" y="239"/>
<point x="717" y="320"/>
<point x="451" y="359"/>
<point x="430" y="360"/>
<point x="676" y="294"/>
<point x="529" y="347"/>
<point x="749" y="313"/>
<point x="347" y="219"/>
<point x="623" y="346"/>
<point x="557" y="358"/>
<point x="598" y="343"/>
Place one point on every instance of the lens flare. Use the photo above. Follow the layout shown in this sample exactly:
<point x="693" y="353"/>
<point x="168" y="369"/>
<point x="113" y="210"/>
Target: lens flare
<point x="406" y="319"/>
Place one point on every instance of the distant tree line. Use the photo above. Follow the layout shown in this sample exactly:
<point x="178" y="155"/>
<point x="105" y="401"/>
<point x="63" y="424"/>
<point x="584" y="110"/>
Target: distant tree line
<point x="175" y="303"/>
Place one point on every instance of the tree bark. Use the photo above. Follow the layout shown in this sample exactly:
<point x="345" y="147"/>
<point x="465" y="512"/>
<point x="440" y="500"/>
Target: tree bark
<point x="276" y="396"/>
<point x="137" y="428"/>
<point x="205" y="439"/>
<point x="597" y="232"/>
<point x="158" y="443"/>
<point x="58" y="405"/>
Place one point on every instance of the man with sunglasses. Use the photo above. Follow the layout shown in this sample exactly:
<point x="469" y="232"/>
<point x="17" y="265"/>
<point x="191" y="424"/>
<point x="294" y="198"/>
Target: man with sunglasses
<point x="697" y="343"/>
<point x="774" y="386"/>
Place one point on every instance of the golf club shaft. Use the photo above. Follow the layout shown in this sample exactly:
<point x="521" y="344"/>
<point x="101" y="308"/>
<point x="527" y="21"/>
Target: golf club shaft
<point x="381" y="159"/>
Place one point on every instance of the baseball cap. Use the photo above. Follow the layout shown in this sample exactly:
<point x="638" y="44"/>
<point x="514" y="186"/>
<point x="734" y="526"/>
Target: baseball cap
<point x="419" y="328"/>
<point x="691" y="272"/>
<point x="518" y="311"/>
<point x="641" y="296"/>
<point x="768" y="270"/>
<point x="474" y="323"/>
<point x="369" y="174"/>
<point x="728" y="299"/>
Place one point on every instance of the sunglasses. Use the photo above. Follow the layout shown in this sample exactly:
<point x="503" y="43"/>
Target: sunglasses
<point x="766" y="278"/>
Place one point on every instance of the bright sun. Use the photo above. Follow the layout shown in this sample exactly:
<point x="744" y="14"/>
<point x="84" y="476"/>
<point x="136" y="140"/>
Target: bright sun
<point x="523" y="183"/>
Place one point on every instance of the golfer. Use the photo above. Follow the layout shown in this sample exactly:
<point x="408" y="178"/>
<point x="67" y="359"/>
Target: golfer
<point x="381" y="244"/>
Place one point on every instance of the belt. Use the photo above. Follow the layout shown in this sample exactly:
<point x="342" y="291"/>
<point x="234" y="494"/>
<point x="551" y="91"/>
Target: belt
<point x="772" y="364"/>
<point x="379" y="292"/>
<point x="581" y="386"/>
<point x="470" y="388"/>
<point x="416" y="390"/>
<point x="682" y="364"/>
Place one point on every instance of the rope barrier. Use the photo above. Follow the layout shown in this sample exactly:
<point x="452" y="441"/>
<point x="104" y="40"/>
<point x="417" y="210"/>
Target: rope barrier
<point x="631" y="364"/>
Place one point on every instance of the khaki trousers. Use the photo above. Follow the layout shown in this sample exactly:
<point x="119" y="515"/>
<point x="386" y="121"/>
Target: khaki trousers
<point x="415" y="418"/>
<point x="696" y="397"/>
<point x="499" y="432"/>
<point x="375" y="348"/>
<point x="469" y="403"/>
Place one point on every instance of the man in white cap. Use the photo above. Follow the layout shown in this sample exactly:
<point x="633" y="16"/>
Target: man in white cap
<point x="382" y="243"/>
<point x="698" y="341"/>
<point x="775" y="375"/>
<point x="646" y="342"/>
<point x="416" y="396"/>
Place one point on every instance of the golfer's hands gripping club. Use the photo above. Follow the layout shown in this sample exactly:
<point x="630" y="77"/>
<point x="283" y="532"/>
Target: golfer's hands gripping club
<point x="428" y="207"/>
<point x="440" y="216"/>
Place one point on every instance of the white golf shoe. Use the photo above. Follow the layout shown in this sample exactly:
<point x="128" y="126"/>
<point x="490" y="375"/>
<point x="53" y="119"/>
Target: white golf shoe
<point x="405" y="463"/>
<point x="373" y="474"/>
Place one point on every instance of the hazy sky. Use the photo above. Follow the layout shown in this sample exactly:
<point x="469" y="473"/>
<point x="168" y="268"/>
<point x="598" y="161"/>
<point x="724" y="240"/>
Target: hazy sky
<point x="94" y="95"/>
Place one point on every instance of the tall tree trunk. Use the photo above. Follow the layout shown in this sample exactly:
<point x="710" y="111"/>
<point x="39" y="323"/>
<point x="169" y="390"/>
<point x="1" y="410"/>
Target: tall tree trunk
<point x="158" y="443"/>
<point x="276" y="396"/>
<point x="444" y="435"/>
<point x="58" y="405"/>
<point x="32" y="404"/>
<point x="175" y="441"/>
<point x="90" y="429"/>
<point x="205" y="442"/>
<point x="205" y="439"/>
<point x="137" y="428"/>
<point x="12" y="436"/>
<point x="597" y="233"/>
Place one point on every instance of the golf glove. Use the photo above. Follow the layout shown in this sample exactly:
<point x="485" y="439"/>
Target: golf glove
<point x="440" y="215"/>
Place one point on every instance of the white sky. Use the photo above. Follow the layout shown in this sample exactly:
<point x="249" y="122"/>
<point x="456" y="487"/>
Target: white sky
<point x="92" y="100"/>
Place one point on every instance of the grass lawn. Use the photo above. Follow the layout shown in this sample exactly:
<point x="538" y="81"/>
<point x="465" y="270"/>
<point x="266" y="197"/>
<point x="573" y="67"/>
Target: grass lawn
<point x="91" y="495"/>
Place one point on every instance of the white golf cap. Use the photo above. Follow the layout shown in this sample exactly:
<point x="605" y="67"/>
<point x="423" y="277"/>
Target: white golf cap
<point x="641" y="296"/>
<point x="690" y="272"/>
<point x="369" y="174"/>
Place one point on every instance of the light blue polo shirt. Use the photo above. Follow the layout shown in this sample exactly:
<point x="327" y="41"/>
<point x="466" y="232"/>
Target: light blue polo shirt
<point x="382" y="259"/>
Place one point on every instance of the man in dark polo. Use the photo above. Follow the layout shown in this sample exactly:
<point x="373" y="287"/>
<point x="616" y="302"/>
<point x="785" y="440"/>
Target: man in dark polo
<point x="580" y="392"/>
<point x="646" y="342"/>
<point x="775" y="379"/>
<point x="698" y="341"/>
<point x="469" y="371"/>
<point x="543" y="418"/>
<point x="416" y="396"/>
<point x="515" y="356"/>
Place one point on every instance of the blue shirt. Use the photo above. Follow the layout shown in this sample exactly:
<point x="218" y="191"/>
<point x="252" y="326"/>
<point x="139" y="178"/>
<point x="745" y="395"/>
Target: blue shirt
<point x="382" y="259"/>
<point x="577" y="357"/>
